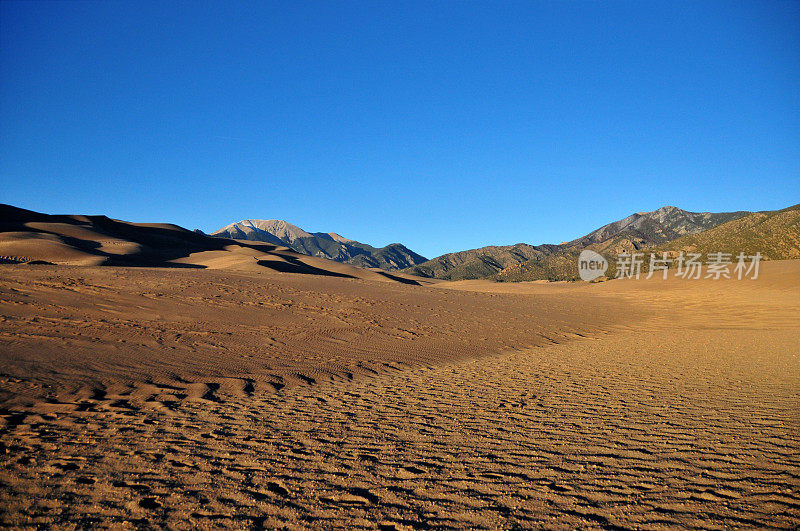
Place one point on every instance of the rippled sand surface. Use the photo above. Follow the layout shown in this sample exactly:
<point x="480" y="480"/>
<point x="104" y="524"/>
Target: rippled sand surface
<point x="189" y="398"/>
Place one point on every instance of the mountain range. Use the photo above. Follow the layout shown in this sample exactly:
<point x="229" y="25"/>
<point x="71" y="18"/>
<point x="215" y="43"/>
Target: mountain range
<point x="31" y="237"/>
<point x="322" y="244"/>
<point x="776" y="234"/>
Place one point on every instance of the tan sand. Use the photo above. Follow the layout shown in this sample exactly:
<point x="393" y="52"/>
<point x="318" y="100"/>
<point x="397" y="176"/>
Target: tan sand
<point x="242" y="396"/>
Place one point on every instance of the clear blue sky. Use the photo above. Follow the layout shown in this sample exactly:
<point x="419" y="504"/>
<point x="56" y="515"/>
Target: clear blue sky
<point x="445" y="125"/>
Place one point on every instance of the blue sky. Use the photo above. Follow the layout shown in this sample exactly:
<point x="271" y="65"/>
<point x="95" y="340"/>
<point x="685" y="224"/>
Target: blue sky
<point x="445" y="125"/>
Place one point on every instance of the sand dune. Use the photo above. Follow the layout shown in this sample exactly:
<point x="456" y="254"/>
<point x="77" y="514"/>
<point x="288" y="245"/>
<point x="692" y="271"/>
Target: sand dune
<point x="260" y="325"/>
<point x="242" y="394"/>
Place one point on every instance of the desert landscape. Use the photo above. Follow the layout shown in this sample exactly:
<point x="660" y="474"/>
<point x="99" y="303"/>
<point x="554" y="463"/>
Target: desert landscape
<point x="149" y="381"/>
<point x="399" y="265"/>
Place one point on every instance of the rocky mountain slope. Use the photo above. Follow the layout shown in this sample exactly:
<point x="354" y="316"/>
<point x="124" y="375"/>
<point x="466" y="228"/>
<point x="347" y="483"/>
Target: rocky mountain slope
<point x="774" y="234"/>
<point x="322" y="244"/>
<point x="659" y="226"/>
<point x="642" y="230"/>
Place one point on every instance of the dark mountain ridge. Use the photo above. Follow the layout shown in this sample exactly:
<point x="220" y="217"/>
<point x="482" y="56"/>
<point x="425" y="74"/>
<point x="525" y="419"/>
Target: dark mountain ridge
<point x="328" y="245"/>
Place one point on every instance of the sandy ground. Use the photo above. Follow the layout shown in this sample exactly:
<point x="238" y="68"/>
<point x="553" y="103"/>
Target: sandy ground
<point x="257" y="398"/>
